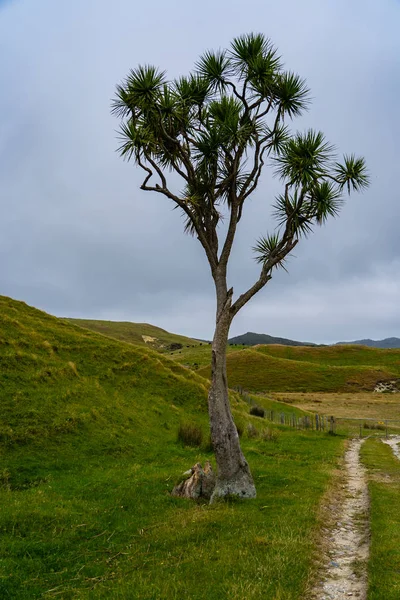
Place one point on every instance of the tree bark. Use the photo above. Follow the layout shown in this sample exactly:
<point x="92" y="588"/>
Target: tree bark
<point x="234" y="476"/>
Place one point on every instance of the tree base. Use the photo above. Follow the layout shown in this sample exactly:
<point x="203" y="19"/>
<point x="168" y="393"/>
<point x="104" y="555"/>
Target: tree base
<point x="202" y="483"/>
<point x="240" y="486"/>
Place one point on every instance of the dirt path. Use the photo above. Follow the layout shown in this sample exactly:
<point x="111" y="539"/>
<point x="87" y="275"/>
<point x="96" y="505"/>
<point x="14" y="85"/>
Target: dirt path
<point x="394" y="442"/>
<point x="346" y="542"/>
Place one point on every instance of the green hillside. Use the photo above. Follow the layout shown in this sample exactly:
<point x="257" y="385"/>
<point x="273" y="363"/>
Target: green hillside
<point x="259" y="370"/>
<point x="346" y="355"/>
<point x="88" y="441"/>
<point x="141" y="334"/>
<point x="58" y="377"/>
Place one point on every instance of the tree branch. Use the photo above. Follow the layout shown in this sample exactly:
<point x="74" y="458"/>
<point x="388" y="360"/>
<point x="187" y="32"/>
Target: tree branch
<point x="211" y="255"/>
<point x="230" y="236"/>
<point x="265" y="276"/>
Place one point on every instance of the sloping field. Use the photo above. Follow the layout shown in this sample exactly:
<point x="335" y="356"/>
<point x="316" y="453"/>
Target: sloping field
<point x="259" y="371"/>
<point x="88" y="442"/>
<point x="141" y="334"/>
<point x="58" y="377"/>
<point x="340" y="355"/>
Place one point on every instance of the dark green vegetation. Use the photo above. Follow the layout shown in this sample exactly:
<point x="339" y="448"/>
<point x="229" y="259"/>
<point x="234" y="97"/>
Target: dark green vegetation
<point x="89" y="452"/>
<point x="319" y="369"/>
<point x="141" y="334"/>
<point x="384" y="489"/>
<point x="252" y="339"/>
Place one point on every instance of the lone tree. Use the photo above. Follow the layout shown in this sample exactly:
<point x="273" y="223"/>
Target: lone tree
<point x="215" y="130"/>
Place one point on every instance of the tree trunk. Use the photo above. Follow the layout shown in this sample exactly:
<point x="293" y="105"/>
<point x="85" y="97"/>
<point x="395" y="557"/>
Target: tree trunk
<point x="233" y="477"/>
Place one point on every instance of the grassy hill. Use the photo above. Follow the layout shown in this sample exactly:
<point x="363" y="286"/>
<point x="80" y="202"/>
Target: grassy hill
<point x="344" y="356"/>
<point x="141" y="334"/>
<point x="263" y="369"/>
<point x="89" y="449"/>
<point x="59" y="377"/>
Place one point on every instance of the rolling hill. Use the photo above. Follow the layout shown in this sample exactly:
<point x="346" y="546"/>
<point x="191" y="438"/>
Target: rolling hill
<point x="344" y="356"/>
<point x="320" y="369"/>
<point x="289" y="366"/>
<point x="141" y="334"/>
<point x="58" y="377"/>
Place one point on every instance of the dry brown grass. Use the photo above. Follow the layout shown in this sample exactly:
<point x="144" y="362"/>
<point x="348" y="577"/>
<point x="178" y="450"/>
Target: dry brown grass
<point x="363" y="405"/>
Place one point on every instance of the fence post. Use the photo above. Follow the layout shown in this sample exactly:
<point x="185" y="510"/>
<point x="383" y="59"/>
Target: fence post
<point x="332" y="423"/>
<point x="317" y="422"/>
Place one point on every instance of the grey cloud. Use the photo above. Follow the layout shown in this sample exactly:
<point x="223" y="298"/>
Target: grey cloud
<point x="77" y="235"/>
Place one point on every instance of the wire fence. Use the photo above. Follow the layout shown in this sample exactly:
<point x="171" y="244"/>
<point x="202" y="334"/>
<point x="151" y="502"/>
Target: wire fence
<point x="331" y="424"/>
<point x="336" y="425"/>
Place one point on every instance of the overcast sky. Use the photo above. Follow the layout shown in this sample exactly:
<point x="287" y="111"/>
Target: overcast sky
<point x="77" y="236"/>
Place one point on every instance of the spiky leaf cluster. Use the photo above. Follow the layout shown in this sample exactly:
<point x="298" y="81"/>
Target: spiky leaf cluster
<point x="217" y="127"/>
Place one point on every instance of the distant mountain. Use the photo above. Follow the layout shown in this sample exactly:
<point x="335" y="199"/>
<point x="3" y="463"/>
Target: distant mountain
<point x="252" y="339"/>
<point x="392" y="342"/>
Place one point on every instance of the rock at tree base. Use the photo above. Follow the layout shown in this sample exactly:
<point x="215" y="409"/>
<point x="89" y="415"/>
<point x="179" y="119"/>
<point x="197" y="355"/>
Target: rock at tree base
<point x="200" y="484"/>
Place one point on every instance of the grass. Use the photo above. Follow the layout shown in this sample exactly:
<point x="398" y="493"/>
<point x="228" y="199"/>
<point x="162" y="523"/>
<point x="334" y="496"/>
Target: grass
<point x="361" y="405"/>
<point x="89" y="453"/>
<point x="104" y="526"/>
<point x="384" y="489"/>
<point x="197" y="357"/>
<point x="341" y="355"/>
<point x="260" y="372"/>
<point x="141" y="334"/>
<point x="271" y="367"/>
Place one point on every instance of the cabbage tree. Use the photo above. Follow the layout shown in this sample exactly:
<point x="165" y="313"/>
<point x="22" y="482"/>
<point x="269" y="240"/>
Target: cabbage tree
<point x="203" y="142"/>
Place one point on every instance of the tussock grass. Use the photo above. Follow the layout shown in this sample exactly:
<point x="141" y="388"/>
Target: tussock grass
<point x="190" y="434"/>
<point x="384" y="489"/>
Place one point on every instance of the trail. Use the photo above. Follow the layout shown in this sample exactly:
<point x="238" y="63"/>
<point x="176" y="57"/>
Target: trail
<point x="346" y="545"/>
<point x="394" y="442"/>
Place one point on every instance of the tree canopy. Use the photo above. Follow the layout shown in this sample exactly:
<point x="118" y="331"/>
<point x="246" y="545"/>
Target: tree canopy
<point x="216" y="128"/>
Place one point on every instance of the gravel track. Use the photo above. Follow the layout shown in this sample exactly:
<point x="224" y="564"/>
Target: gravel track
<point x="343" y="571"/>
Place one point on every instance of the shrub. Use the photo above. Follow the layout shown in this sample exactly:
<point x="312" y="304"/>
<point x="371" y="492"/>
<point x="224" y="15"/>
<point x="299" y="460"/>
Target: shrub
<point x="251" y="431"/>
<point x="269" y="435"/>
<point x="257" y="411"/>
<point x="190" y="434"/>
<point x="379" y="426"/>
